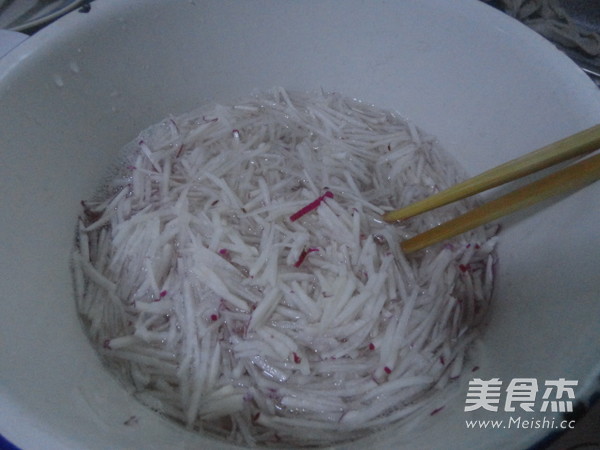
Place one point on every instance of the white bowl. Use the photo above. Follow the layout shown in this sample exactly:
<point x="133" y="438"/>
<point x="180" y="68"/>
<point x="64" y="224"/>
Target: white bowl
<point x="74" y="93"/>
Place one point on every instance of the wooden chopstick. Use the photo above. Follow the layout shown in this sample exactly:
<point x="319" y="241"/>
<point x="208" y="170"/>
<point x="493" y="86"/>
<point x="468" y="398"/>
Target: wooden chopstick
<point x="573" y="177"/>
<point x="578" y="144"/>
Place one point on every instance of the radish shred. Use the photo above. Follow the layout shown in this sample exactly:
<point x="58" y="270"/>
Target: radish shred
<point x="310" y="207"/>
<point x="303" y="256"/>
<point x="195" y="281"/>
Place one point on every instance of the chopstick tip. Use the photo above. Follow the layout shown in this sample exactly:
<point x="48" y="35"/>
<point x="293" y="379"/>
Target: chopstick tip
<point x="393" y="216"/>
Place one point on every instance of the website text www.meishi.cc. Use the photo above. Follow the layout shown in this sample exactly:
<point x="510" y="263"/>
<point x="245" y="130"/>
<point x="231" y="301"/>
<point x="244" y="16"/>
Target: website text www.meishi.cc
<point x="518" y="422"/>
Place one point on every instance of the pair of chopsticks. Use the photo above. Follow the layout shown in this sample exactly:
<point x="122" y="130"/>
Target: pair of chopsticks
<point x="571" y="178"/>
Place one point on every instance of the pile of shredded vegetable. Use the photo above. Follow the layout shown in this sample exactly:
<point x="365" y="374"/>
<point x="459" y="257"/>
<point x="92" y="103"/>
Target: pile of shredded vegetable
<point x="237" y="276"/>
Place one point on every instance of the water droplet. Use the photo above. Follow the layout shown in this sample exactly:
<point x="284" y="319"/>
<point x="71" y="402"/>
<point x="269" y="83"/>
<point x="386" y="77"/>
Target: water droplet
<point x="58" y="80"/>
<point x="74" y="67"/>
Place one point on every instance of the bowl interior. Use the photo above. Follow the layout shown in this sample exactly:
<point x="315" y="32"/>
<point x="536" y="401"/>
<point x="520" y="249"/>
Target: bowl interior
<point x="75" y="93"/>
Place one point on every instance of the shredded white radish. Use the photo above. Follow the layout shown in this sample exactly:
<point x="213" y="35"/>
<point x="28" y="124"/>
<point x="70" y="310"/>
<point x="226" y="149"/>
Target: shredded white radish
<point x="237" y="274"/>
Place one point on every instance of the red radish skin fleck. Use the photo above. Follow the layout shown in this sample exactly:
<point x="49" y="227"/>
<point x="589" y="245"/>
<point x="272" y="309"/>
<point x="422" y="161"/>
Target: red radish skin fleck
<point x="133" y="420"/>
<point x="297" y="358"/>
<point x="311" y="206"/>
<point x="303" y="256"/>
<point x="387" y="370"/>
<point x="371" y="346"/>
<point x="435" y="411"/>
